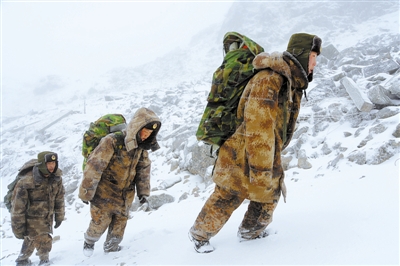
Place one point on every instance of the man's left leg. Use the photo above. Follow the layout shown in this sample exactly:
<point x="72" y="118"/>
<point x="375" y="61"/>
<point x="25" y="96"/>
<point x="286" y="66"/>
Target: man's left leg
<point x="43" y="245"/>
<point x="115" y="233"/>
<point x="256" y="219"/>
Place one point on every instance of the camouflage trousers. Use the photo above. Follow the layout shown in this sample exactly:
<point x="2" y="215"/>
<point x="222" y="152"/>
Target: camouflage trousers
<point x="101" y="220"/>
<point x="218" y="209"/>
<point x="42" y="243"/>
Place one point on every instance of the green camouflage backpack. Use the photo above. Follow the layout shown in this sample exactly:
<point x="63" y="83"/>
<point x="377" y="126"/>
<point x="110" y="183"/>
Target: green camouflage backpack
<point x="28" y="166"/>
<point x="219" y="119"/>
<point x="97" y="130"/>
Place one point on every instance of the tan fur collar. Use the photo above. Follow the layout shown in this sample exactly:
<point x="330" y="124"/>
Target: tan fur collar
<point x="284" y="64"/>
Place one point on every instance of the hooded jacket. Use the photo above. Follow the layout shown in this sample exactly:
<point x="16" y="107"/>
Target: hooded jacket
<point x="120" y="165"/>
<point x="249" y="162"/>
<point x="36" y="202"/>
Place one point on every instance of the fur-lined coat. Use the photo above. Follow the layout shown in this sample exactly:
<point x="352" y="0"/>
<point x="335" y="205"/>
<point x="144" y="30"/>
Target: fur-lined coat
<point x="249" y="162"/>
<point x="37" y="202"/>
<point x="113" y="173"/>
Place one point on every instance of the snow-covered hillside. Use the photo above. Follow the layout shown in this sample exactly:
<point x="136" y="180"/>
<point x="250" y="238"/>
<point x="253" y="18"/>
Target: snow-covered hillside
<point x="342" y="164"/>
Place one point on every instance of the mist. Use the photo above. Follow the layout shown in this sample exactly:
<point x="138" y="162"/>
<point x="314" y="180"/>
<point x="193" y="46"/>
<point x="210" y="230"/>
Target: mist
<point x="48" y="46"/>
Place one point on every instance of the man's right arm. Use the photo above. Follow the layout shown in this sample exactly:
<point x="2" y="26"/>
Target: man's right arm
<point x="96" y="164"/>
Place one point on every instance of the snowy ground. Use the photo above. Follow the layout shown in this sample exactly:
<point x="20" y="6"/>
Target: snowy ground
<point x="346" y="216"/>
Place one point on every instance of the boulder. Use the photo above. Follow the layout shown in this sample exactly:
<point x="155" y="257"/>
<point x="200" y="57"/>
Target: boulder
<point x="299" y="132"/>
<point x="387" y="66"/>
<point x="325" y="149"/>
<point x="396" y="132"/>
<point x="394" y="87"/>
<point x="379" y="96"/>
<point x="379" y="128"/>
<point x="330" y="52"/>
<point x="384" y="153"/>
<point x="196" y="157"/>
<point x="387" y="112"/>
<point x="338" y="76"/>
<point x="303" y="162"/>
<point x="357" y="157"/>
<point x="360" y="100"/>
<point x="286" y="162"/>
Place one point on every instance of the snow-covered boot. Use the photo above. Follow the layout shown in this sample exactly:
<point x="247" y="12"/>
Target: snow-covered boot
<point x="24" y="262"/>
<point x="201" y="246"/>
<point x="44" y="262"/>
<point x="113" y="249"/>
<point x="112" y="245"/>
<point x="88" y="249"/>
<point x="246" y="237"/>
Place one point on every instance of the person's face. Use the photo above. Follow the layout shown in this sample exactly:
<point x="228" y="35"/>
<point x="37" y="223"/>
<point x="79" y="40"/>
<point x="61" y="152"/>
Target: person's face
<point x="51" y="166"/>
<point x="312" y="61"/>
<point x="145" y="133"/>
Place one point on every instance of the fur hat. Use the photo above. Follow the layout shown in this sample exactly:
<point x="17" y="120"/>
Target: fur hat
<point x="301" y="45"/>
<point x="45" y="157"/>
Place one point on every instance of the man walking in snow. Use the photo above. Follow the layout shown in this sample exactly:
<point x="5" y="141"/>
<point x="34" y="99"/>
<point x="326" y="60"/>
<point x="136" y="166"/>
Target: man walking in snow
<point x="37" y="201"/>
<point x="117" y="167"/>
<point x="249" y="162"/>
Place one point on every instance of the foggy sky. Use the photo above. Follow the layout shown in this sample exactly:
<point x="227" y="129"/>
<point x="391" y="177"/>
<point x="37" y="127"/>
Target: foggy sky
<point x="85" y="40"/>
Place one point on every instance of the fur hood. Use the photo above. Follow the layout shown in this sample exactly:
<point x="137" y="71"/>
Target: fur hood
<point x="143" y="117"/>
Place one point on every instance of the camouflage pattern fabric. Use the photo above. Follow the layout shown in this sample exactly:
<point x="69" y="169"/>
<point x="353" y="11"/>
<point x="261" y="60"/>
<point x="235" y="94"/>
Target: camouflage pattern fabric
<point x="219" y="119"/>
<point x="219" y="208"/>
<point x="101" y="127"/>
<point x="113" y="174"/>
<point x="109" y="218"/>
<point x="249" y="162"/>
<point x="37" y="202"/>
<point x="42" y="243"/>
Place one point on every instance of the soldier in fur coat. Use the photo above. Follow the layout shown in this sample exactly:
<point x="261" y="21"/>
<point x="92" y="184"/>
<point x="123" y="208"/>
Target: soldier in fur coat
<point x="117" y="168"/>
<point x="249" y="162"/>
<point x="37" y="201"/>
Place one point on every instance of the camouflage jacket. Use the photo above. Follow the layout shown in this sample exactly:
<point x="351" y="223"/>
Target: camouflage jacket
<point x="112" y="174"/>
<point x="36" y="202"/>
<point x="249" y="162"/>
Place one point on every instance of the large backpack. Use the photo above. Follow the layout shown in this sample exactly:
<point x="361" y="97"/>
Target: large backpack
<point x="28" y="166"/>
<point x="103" y="126"/>
<point x="219" y="119"/>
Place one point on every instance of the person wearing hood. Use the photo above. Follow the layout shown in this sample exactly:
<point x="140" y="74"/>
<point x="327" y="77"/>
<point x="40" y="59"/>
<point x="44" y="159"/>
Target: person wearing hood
<point x="249" y="162"/>
<point x="37" y="201"/>
<point x="117" y="168"/>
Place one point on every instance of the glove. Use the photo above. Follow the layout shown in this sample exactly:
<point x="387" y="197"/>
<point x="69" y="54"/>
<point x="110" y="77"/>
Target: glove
<point x="142" y="200"/>
<point x="19" y="236"/>
<point x="144" y="204"/>
<point x="86" y="202"/>
<point x="58" y="223"/>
